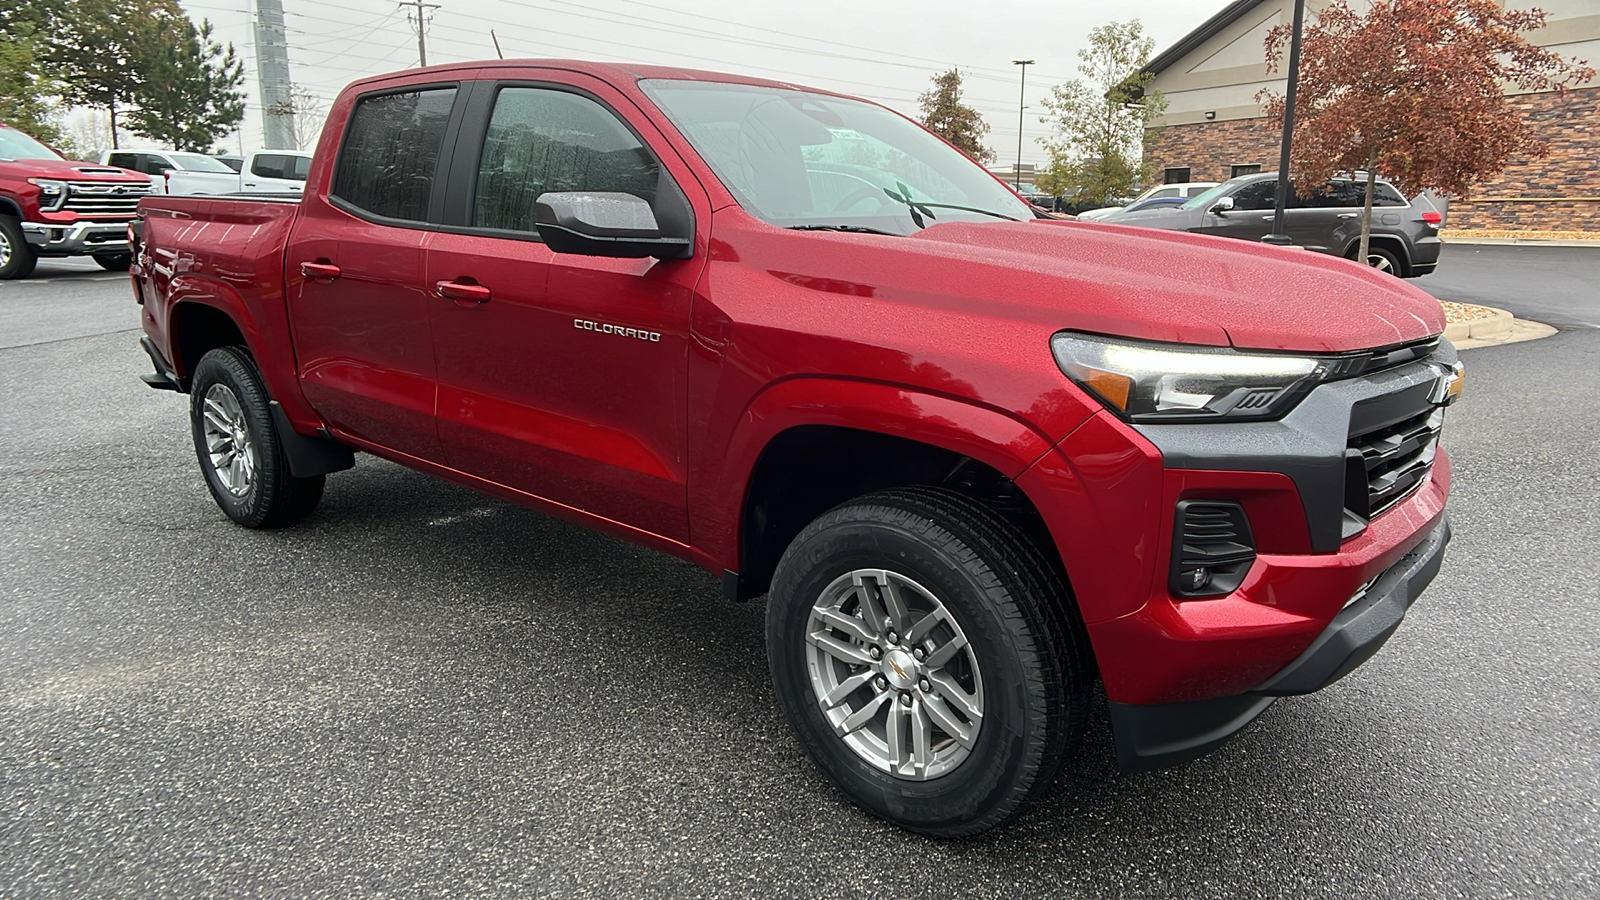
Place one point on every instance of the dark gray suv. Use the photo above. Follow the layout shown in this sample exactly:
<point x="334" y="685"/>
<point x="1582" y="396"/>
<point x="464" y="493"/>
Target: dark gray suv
<point x="1405" y="236"/>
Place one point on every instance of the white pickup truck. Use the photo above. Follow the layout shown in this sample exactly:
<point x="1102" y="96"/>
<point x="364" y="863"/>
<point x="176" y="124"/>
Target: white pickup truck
<point x="175" y="172"/>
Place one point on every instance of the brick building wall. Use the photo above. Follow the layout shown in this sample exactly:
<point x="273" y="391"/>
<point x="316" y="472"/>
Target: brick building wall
<point x="1560" y="192"/>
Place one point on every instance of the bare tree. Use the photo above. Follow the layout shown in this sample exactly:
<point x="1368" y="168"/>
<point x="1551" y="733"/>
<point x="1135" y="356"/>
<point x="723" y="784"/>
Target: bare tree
<point x="306" y="110"/>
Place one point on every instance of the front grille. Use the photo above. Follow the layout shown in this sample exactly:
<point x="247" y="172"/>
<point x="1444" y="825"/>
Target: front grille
<point x="1392" y="461"/>
<point x="95" y="198"/>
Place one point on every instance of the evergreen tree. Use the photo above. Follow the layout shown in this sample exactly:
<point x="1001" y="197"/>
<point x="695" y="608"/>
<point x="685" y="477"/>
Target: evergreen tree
<point x="188" y="93"/>
<point x="945" y="115"/>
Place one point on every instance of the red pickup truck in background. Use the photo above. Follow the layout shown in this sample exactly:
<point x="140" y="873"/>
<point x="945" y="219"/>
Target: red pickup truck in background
<point x="979" y="463"/>
<point x="54" y="207"/>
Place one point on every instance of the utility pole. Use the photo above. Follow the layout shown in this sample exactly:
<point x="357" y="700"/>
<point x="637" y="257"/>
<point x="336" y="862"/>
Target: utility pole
<point x="421" y="21"/>
<point x="1022" y="99"/>
<point x="272" y="72"/>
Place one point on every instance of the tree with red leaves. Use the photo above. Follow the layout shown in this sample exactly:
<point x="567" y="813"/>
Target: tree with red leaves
<point x="1414" y="90"/>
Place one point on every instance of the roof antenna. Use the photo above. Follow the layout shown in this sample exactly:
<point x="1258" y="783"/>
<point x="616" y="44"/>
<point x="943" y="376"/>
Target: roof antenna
<point x="496" y="44"/>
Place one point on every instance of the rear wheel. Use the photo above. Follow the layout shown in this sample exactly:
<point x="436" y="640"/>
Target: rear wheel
<point x="17" y="257"/>
<point x="923" y="652"/>
<point x="114" y="262"/>
<point x="238" y="445"/>
<point x="1384" y="260"/>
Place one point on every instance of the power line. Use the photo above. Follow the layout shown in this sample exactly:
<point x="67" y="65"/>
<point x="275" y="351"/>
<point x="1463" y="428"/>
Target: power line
<point x="422" y="27"/>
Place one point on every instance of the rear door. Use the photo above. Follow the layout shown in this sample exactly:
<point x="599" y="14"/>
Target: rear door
<point x="358" y="307"/>
<point x="567" y="379"/>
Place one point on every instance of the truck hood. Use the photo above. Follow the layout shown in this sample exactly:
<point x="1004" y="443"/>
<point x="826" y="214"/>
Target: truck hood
<point x="68" y="170"/>
<point x="1171" y="286"/>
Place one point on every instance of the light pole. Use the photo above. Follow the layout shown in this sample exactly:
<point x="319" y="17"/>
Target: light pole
<point x="1280" y="228"/>
<point x="1022" y="96"/>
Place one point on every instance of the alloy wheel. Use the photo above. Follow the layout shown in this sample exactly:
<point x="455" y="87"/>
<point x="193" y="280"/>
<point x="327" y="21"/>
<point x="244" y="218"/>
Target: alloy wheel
<point x="894" y="674"/>
<point x="228" y="444"/>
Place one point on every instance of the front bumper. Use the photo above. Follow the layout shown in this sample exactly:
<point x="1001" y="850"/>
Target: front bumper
<point x="1158" y="735"/>
<point x="76" y="239"/>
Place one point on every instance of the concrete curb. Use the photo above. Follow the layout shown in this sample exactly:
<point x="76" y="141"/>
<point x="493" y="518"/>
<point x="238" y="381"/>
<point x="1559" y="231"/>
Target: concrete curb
<point x="1523" y="242"/>
<point x="1480" y="329"/>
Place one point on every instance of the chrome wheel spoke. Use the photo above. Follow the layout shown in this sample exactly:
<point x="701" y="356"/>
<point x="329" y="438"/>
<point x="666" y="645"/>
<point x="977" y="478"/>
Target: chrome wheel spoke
<point x="921" y="749"/>
<point x="946" y="652"/>
<point x="947" y="722"/>
<point x="845" y="653"/>
<point x="924" y="626"/>
<point x="871" y="605"/>
<point x="895" y="734"/>
<point x="862" y="716"/>
<point x="952" y="692"/>
<point x="847" y="687"/>
<point x="227" y="439"/>
<point x="894" y="605"/>
<point x="850" y="625"/>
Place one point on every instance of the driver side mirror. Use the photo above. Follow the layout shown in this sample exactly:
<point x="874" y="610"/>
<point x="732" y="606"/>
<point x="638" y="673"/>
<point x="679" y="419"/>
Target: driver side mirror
<point x="604" y="223"/>
<point x="1222" y="205"/>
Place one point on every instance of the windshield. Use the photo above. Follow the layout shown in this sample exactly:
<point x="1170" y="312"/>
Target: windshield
<point x="16" y="145"/>
<point x="1208" y="197"/>
<point x="803" y="160"/>
<point x="195" y="162"/>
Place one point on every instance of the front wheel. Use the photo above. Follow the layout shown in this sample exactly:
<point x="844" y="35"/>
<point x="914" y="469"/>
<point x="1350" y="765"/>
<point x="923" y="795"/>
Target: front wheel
<point x="114" y="262"/>
<point x="238" y="445"/>
<point x="17" y="256"/>
<point x="928" y="658"/>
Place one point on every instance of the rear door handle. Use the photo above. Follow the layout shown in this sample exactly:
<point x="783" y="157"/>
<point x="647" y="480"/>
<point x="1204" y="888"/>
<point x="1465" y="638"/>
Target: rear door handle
<point x="319" y="270"/>
<point x="1268" y="218"/>
<point x="1349" y="215"/>
<point x="462" y="292"/>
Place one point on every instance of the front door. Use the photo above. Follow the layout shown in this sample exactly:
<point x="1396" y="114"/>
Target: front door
<point x="357" y="304"/>
<point x="561" y="376"/>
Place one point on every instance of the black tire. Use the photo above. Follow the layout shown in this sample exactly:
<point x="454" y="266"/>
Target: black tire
<point x="19" y="255"/>
<point x="1381" y="258"/>
<point x="1019" y="621"/>
<point x="259" y="492"/>
<point x="114" y="262"/>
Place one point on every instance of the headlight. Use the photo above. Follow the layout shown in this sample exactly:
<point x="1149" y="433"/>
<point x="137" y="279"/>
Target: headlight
<point x="52" y="193"/>
<point x="1149" y="382"/>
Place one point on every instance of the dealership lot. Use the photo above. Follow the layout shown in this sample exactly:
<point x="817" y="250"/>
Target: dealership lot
<point x="424" y="692"/>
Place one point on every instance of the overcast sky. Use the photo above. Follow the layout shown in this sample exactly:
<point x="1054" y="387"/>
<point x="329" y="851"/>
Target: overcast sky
<point x="884" y="50"/>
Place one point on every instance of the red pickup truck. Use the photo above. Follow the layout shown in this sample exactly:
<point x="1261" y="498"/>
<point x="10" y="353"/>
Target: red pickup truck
<point x="979" y="463"/>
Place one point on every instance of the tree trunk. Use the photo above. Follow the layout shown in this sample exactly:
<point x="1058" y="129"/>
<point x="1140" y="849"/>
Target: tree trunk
<point x="112" y="106"/>
<point x="1366" y="209"/>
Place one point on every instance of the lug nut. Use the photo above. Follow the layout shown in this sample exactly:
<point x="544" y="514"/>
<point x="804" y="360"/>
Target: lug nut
<point x="925" y="685"/>
<point x="920" y="654"/>
<point x="874" y="652"/>
<point x="881" y="683"/>
<point x="905" y="698"/>
<point x="893" y="638"/>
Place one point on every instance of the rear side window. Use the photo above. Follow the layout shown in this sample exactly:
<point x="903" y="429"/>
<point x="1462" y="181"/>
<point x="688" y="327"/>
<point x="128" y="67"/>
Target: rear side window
<point x="123" y="161"/>
<point x="391" y="151"/>
<point x="275" y="165"/>
<point x="1344" y="193"/>
<point x="542" y="140"/>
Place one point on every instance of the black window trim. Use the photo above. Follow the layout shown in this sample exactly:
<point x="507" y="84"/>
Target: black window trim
<point x="441" y="167"/>
<point x="461" y="185"/>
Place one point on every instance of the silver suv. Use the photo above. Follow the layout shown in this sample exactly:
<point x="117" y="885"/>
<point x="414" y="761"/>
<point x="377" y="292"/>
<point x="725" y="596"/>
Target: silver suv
<point x="1405" y="236"/>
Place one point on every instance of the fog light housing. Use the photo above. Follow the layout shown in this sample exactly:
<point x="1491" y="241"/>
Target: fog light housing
<point x="1212" y="549"/>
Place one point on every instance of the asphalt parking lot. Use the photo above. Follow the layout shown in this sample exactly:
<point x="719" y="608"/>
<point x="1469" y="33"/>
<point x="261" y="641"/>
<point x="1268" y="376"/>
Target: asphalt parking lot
<point x="422" y="692"/>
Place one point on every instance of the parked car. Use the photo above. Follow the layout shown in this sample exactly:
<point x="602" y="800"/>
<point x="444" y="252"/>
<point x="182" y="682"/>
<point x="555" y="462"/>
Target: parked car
<point x="1179" y="190"/>
<point x="261" y="172"/>
<point x="54" y="207"/>
<point x="1404" y="240"/>
<point x="979" y="462"/>
<point x="230" y="160"/>
<point x="1154" y="203"/>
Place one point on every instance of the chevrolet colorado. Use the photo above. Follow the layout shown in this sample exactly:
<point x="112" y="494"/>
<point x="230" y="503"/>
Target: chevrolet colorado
<point x="982" y="465"/>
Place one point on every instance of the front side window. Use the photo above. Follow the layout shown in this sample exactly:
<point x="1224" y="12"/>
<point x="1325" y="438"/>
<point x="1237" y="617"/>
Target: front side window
<point x="195" y="162"/>
<point x="804" y="160"/>
<point x="1257" y="195"/>
<point x="391" y="151"/>
<point x="542" y="140"/>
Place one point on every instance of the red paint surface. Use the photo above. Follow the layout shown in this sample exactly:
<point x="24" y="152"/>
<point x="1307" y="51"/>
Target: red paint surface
<point x="941" y="338"/>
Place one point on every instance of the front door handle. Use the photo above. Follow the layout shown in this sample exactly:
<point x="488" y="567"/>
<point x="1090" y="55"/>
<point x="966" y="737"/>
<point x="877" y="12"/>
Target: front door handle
<point x="1349" y="215"/>
<point x="319" y="270"/>
<point x="462" y="292"/>
<point x="1270" y="218"/>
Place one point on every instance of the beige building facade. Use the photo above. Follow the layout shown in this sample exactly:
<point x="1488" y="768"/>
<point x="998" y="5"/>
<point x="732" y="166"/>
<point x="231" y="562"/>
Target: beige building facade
<point x="1214" y="128"/>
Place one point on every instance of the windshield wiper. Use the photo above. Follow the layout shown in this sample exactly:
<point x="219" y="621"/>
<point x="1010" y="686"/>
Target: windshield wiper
<point x="856" y="229"/>
<point x="918" y="208"/>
